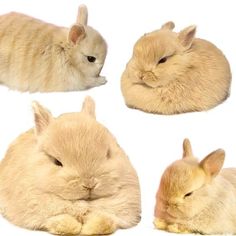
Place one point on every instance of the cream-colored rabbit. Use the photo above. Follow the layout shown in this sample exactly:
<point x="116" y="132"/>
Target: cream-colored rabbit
<point x="197" y="197"/>
<point x="172" y="73"/>
<point x="69" y="176"/>
<point x="37" y="56"/>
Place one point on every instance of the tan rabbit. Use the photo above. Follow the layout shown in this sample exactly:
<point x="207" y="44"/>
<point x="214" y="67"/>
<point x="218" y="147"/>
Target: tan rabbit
<point x="69" y="176"/>
<point x="172" y="73"/>
<point x="197" y="197"/>
<point x="37" y="56"/>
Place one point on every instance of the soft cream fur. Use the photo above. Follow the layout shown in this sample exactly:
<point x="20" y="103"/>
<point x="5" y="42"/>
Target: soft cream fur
<point x="37" y="56"/>
<point x="210" y="204"/>
<point x="195" y="76"/>
<point x="96" y="191"/>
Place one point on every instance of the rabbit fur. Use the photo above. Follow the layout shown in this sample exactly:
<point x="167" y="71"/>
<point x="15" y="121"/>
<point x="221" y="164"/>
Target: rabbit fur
<point x="68" y="175"/>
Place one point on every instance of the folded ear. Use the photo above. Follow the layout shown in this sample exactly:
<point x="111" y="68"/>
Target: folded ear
<point x="76" y="34"/>
<point x="89" y="106"/>
<point x="170" y="25"/>
<point x="187" y="149"/>
<point x="42" y="117"/>
<point x="186" y="36"/>
<point x="213" y="163"/>
<point x="82" y="17"/>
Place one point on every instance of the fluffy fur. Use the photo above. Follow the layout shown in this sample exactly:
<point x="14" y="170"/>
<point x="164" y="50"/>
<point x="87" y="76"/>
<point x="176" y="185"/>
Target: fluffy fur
<point x="69" y="176"/>
<point x="173" y="73"/>
<point x="197" y="197"/>
<point x="37" y="56"/>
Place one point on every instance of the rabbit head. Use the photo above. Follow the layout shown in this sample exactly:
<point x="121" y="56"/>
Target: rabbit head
<point x="77" y="158"/>
<point x="162" y="55"/>
<point x="184" y="188"/>
<point x="87" y="47"/>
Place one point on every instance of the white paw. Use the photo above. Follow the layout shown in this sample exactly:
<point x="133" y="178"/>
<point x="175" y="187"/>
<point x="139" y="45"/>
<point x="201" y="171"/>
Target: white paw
<point x="101" y="80"/>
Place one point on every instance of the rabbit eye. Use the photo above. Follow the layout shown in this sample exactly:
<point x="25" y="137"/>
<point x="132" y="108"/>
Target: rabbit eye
<point x="188" y="194"/>
<point x="54" y="160"/>
<point x="108" y="154"/>
<point x="91" y="59"/>
<point x="57" y="163"/>
<point x="163" y="60"/>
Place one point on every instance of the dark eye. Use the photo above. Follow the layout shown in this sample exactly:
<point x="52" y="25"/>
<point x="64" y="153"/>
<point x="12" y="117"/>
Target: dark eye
<point x="91" y="59"/>
<point x="56" y="162"/>
<point x="108" y="154"/>
<point x="163" y="60"/>
<point x="188" y="194"/>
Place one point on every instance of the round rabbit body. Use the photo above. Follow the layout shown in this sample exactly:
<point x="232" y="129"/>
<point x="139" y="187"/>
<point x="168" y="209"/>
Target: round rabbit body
<point x="197" y="197"/>
<point x="172" y="73"/>
<point x="69" y="176"/>
<point x="37" y="56"/>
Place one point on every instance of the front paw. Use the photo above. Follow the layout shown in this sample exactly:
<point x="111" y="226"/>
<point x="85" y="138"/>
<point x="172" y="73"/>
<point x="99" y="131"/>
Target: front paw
<point x="98" y="224"/>
<point x="176" y="228"/>
<point x="160" y="224"/>
<point x="63" y="225"/>
<point x="101" y="80"/>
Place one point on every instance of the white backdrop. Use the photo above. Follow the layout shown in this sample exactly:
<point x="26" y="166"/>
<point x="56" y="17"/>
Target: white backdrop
<point x="151" y="141"/>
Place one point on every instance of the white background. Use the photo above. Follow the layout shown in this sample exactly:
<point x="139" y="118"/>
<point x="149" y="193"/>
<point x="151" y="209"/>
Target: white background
<point x="151" y="141"/>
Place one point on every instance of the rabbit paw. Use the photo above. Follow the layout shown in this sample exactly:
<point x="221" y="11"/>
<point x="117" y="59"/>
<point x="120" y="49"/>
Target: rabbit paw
<point x="150" y="80"/>
<point x="176" y="228"/>
<point x="160" y="224"/>
<point x="98" y="224"/>
<point x="96" y="81"/>
<point x="100" y="80"/>
<point x="63" y="225"/>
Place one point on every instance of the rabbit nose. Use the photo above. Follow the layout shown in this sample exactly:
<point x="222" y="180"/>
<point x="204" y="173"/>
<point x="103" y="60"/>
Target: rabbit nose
<point x="85" y="187"/>
<point x="88" y="187"/>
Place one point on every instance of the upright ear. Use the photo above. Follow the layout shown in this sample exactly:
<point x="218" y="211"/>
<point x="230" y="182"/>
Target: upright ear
<point x="187" y="149"/>
<point x="89" y="106"/>
<point x="170" y="25"/>
<point x="82" y="17"/>
<point x="186" y="36"/>
<point x="213" y="163"/>
<point x="76" y="34"/>
<point x="42" y="117"/>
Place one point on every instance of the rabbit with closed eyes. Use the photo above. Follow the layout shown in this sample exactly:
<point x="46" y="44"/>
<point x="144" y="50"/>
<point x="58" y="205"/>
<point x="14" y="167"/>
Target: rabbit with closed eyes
<point x="172" y="73"/>
<point x="197" y="197"/>
<point x="69" y="176"/>
<point x="39" y="57"/>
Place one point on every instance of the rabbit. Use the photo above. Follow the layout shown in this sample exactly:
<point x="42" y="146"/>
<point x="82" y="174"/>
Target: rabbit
<point x="69" y="176"/>
<point x="171" y="73"/>
<point x="39" y="57"/>
<point x="197" y="197"/>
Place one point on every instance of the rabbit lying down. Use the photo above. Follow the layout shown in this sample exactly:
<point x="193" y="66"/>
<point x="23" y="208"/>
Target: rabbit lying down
<point x="173" y="73"/>
<point x="69" y="176"/>
<point x="40" y="57"/>
<point x="197" y="197"/>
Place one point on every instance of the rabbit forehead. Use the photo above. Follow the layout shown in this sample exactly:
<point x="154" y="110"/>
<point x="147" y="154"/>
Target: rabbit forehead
<point x="182" y="177"/>
<point x="93" y="43"/>
<point x="75" y="136"/>
<point x="156" y="44"/>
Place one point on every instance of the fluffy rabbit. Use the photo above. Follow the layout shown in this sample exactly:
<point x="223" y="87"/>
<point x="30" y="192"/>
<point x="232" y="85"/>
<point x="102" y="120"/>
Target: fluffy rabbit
<point x="172" y="73"/>
<point x="36" y="56"/>
<point x="197" y="197"/>
<point x="69" y="176"/>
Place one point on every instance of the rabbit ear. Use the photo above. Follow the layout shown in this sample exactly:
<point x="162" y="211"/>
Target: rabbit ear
<point x="76" y="34"/>
<point x="82" y="17"/>
<point x="42" y="117"/>
<point x="213" y="163"/>
<point x="170" y="25"/>
<point x="89" y="106"/>
<point x="186" y="36"/>
<point x="187" y="149"/>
